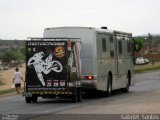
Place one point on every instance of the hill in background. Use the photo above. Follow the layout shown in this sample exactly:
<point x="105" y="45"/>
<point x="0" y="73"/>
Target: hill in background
<point x="11" y="44"/>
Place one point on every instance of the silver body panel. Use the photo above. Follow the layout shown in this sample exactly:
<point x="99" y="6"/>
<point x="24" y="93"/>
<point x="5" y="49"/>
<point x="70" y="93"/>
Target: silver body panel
<point x="96" y="62"/>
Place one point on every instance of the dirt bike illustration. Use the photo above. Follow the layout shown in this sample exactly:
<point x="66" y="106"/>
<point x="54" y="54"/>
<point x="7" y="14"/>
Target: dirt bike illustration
<point x="45" y="66"/>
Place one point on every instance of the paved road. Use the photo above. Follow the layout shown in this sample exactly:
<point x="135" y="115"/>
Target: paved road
<point x="145" y="83"/>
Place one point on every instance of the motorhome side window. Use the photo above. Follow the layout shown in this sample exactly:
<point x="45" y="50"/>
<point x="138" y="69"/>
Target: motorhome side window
<point x="104" y="47"/>
<point x="129" y="46"/>
<point x="112" y="54"/>
<point x="120" y="47"/>
<point x="111" y="39"/>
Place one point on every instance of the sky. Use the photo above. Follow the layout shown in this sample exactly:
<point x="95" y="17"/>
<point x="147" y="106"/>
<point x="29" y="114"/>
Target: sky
<point x="20" y="19"/>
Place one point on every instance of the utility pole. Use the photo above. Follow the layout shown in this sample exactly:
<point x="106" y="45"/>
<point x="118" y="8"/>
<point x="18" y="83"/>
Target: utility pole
<point x="150" y="38"/>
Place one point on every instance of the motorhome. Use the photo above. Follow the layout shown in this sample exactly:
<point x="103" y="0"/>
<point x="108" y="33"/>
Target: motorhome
<point x="106" y="57"/>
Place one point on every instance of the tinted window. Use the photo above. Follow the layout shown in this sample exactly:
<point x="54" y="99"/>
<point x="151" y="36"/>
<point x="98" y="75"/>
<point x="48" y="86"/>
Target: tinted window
<point x="120" y="47"/>
<point x="104" y="48"/>
<point x="128" y="47"/>
<point x="112" y="53"/>
<point x="111" y="40"/>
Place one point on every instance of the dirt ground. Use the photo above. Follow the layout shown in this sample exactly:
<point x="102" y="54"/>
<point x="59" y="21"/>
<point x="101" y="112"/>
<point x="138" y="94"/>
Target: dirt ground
<point x="7" y="75"/>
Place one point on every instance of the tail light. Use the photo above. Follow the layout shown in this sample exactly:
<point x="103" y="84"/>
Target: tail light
<point x="90" y="77"/>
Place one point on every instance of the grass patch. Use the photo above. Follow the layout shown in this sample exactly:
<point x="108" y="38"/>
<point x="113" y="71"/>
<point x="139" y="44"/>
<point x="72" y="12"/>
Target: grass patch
<point x="12" y="90"/>
<point x="1" y="83"/>
<point x="148" y="67"/>
<point x="7" y="91"/>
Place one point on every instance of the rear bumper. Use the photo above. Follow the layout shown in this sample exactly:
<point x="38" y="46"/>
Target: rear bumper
<point x="48" y="94"/>
<point x="68" y="91"/>
<point x="89" y="84"/>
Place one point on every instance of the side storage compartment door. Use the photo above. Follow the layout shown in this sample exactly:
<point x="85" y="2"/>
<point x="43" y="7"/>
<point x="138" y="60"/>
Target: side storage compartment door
<point x="121" y="65"/>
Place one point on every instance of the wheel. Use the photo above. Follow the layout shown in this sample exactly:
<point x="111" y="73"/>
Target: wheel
<point x="109" y="86"/>
<point x="74" y="98"/>
<point x="34" y="99"/>
<point x="126" y="89"/>
<point x="28" y="99"/>
<point x="80" y="95"/>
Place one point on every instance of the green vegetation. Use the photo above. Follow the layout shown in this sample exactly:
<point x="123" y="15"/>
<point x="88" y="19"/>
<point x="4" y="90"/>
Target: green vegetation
<point x="138" y="44"/>
<point x="1" y="83"/>
<point x="21" y="54"/>
<point x="7" y="56"/>
<point x="12" y="90"/>
<point x="12" y="50"/>
<point x="7" y="91"/>
<point x="147" y="67"/>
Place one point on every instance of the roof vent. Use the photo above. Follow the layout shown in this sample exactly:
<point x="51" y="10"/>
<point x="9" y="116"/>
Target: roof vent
<point x="47" y="28"/>
<point x="103" y="27"/>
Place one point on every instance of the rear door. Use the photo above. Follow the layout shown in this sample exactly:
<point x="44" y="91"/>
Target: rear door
<point x="46" y="65"/>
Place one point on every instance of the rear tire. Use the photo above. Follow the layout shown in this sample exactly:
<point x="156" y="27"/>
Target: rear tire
<point x="74" y="98"/>
<point x="109" y="86"/>
<point x="34" y="99"/>
<point x="75" y="95"/>
<point x="126" y="89"/>
<point x="28" y="99"/>
<point x="80" y="95"/>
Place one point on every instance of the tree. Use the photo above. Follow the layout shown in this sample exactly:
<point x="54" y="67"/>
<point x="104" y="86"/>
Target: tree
<point x="138" y="43"/>
<point x="9" y="55"/>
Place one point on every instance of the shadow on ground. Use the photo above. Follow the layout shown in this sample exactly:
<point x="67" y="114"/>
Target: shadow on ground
<point x="91" y="95"/>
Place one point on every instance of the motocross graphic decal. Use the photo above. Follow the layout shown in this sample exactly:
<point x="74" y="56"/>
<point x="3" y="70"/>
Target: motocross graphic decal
<point x="51" y="65"/>
<point x="44" y="65"/>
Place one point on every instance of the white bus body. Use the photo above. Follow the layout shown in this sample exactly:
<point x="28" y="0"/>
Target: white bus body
<point x="106" y="56"/>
